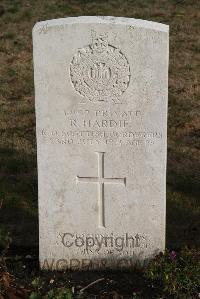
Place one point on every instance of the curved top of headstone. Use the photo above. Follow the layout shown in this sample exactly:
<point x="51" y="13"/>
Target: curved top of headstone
<point x="105" y="20"/>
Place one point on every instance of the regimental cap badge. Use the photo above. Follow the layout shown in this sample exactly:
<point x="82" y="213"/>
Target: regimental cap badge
<point x="100" y="72"/>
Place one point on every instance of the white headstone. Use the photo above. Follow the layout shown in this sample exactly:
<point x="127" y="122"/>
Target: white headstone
<point x="101" y="87"/>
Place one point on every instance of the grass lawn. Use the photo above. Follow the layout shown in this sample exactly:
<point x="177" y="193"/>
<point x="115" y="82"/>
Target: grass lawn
<point x="18" y="168"/>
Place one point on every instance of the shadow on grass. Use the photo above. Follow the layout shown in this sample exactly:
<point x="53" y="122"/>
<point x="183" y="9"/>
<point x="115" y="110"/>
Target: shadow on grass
<point x="183" y="206"/>
<point x="18" y="190"/>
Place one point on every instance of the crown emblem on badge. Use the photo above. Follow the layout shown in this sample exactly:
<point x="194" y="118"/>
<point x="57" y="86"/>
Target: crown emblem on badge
<point x="100" y="72"/>
<point x="99" y="43"/>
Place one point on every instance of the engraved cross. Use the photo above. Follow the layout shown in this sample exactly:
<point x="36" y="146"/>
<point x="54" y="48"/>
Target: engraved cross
<point x="101" y="180"/>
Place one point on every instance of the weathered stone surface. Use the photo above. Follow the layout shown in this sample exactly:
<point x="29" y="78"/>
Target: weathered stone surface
<point x="101" y="105"/>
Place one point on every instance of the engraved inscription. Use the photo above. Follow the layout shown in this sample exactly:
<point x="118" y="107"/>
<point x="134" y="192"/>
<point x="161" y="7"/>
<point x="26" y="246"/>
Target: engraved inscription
<point x="100" y="72"/>
<point x="97" y="137"/>
<point x="101" y="180"/>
